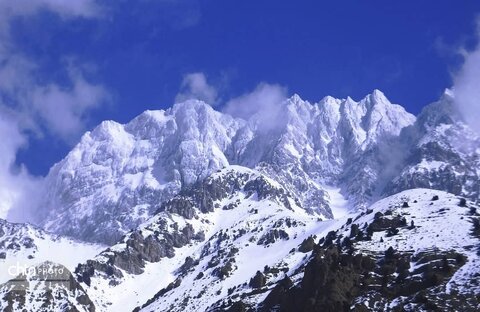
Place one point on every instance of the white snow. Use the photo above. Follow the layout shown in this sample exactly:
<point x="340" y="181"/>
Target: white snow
<point x="46" y="247"/>
<point x="339" y="205"/>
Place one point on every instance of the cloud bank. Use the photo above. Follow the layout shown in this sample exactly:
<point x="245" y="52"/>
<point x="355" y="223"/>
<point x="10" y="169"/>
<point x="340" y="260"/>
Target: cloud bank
<point x="30" y="104"/>
<point x="195" y="86"/>
<point x="262" y="105"/>
<point x="64" y="110"/>
<point x="467" y="86"/>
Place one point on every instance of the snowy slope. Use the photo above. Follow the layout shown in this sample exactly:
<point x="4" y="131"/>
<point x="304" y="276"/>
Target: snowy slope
<point x="237" y="240"/>
<point x="26" y="254"/>
<point x="23" y="245"/>
<point x="438" y="224"/>
<point x="46" y="287"/>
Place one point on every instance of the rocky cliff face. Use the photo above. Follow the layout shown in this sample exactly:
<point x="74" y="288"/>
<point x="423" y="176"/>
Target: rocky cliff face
<point x="118" y="175"/>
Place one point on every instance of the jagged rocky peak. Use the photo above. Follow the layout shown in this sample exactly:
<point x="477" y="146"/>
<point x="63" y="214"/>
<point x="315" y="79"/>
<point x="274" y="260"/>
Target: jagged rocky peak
<point x="439" y="151"/>
<point x="440" y="112"/>
<point x="118" y="175"/>
<point x="373" y="118"/>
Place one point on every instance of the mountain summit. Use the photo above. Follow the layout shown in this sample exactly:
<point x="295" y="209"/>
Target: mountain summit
<point x="119" y="174"/>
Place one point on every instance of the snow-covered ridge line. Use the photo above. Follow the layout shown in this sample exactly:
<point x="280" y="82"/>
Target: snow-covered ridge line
<point x="117" y="176"/>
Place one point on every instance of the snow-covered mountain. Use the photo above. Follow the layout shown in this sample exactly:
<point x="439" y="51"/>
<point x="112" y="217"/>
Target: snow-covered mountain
<point x="245" y="245"/>
<point x="337" y="205"/>
<point x="118" y="175"/>
<point x="417" y="249"/>
<point x="439" y="152"/>
<point x="413" y="251"/>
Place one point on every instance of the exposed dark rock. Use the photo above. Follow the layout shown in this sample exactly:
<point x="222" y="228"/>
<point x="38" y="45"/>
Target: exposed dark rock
<point x="238" y="306"/>
<point x="383" y="223"/>
<point x="307" y="245"/>
<point x="333" y="279"/>
<point x="258" y="281"/>
<point x="272" y="236"/>
<point x="225" y="270"/>
<point x="354" y="230"/>
<point x="139" y="249"/>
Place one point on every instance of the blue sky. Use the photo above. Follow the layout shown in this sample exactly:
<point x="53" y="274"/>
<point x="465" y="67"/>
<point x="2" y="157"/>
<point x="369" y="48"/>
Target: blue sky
<point x="129" y="56"/>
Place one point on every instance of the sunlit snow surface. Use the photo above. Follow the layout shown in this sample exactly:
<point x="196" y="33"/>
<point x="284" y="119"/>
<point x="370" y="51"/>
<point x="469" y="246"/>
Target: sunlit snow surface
<point x="338" y="203"/>
<point x="43" y="247"/>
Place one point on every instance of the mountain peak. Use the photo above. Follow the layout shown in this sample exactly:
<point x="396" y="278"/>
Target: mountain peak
<point x="330" y="100"/>
<point x="376" y="98"/>
<point x="190" y="103"/>
<point x="295" y="98"/>
<point x="378" y="95"/>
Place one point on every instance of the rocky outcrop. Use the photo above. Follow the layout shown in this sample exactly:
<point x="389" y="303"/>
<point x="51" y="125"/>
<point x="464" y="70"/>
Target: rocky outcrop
<point x="139" y="249"/>
<point x="44" y="288"/>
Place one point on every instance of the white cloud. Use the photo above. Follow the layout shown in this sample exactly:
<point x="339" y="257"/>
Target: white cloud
<point x="26" y="103"/>
<point x="262" y="104"/>
<point x="467" y="87"/>
<point x="15" y="183"/>
<point x="63" y="110"/>
<point x="64" y="8"/>
<point x="195" y="86"/>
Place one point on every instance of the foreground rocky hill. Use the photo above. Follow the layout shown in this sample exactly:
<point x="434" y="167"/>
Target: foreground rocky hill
<point x="203" y="241"/>
<point x="237" y="241"/>
<point x="415" y="251"/>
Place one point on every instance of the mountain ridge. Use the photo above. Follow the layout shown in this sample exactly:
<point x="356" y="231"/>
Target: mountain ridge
<point x="153" y="156"/>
